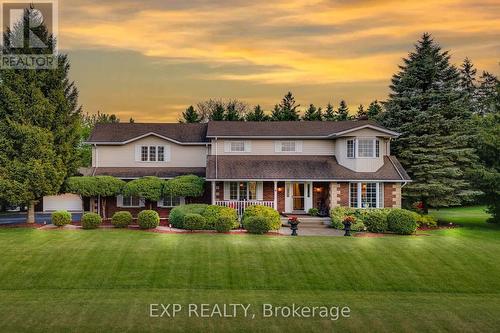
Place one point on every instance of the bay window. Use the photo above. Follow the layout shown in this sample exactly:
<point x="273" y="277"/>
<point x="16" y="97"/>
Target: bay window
<point x="366" y="195"/>
<point x="363" y="148"/>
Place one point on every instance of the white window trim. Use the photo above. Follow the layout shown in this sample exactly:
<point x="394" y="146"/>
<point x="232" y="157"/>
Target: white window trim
<point x="119" y="202"/>
<point x="356" y="148"/>
<point x="379" y="193"/>
<point x="246" y="144"/>
<point x="166" y="153"/>
<point x="278" y="146"/>
<point x="258" y="195"/>
<point x="160" y="203"/>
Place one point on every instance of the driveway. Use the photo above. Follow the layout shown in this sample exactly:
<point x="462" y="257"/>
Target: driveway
<point x="40" y="218"/>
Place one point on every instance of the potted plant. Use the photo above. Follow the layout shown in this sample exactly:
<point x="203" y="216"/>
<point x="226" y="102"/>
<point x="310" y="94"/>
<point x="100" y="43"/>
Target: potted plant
<point x="294" y="224"/>
<point x="348" y="221"/>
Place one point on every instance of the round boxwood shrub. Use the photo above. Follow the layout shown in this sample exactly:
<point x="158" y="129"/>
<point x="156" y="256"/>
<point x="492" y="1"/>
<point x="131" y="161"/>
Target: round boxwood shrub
<point x="268" y="213"/>
<point x="376" y="220"/>
<point x="148" y="219"/>
<point x="402" y="221"/>
<point x="224" y="224"/>
<point x="91" y="221"/>
<point x="121" y="219"/>
<point x="176" y="216"/>
<point x="61" y="218"/>
<point x="338" y="214"/>
<point x="257" y="224"/>
<point x="213" y="214"/>
<point x="194" y="222"/>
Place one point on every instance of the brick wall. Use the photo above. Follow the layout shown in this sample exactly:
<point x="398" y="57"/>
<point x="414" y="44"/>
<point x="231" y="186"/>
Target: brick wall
<point x="344" y="194"/>
<point x="392" y="195"/>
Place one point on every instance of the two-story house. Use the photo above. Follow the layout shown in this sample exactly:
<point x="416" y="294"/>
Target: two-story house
<point x="290" y="166"/>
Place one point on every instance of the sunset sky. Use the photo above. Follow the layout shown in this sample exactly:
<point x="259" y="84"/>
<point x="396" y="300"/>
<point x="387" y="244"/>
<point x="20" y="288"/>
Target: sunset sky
<point x="151" y="59"/>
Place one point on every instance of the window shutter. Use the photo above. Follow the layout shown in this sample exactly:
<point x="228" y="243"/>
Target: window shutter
<point x="277" y="146"/>
<point x="182" y="200"/>
<point x="167" y="152"/>
<point x="248" y="146"/>
<point x="226" y="191"/>
<point x="260" y="191"/>
<point x="137" y="153"/>
<point x="119" y="201"/>
<point x="298" y="146"/>
<point x="142" y="202"/>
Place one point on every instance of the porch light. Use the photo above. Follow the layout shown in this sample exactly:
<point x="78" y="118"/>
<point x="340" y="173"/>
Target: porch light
<point x="280" y="189"/>
<point x="318" y="189"/>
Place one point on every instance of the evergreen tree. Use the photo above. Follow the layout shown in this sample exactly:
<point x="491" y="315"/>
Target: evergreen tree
<point x="287" y="109"/>
<point x="277" y="113"/>
<point x="426" y="105"/>
<point x="232" y="113"/>
<point x="312" y="113"/>
<point x="374" y="110"/>
<point x="257" y="115"/>
<point x="487" y="93"/>
<point x="468" y="77"/>
<point x="131" y="120"/>
<point x="319" y="114"/>
<point x="329" y="113"/>
<point x="218" y="113"/>
<point x="361" y="113"/>
<point x="40" y="123"/>
<point x="190" y="116"/>
<point x="343" y="111"/>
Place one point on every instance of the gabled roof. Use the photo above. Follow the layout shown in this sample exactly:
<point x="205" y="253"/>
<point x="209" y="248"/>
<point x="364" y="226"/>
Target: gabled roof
<point x="122" y="133"/>
<point x="297" y="167"/>
<point x="290" y="129"/>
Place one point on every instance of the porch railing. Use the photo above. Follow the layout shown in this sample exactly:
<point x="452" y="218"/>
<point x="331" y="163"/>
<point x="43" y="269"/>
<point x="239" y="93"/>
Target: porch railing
<point x="240" y="206"/>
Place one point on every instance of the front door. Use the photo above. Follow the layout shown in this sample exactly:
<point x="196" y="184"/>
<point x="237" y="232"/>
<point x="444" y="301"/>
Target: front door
<point x="298" y="196"/>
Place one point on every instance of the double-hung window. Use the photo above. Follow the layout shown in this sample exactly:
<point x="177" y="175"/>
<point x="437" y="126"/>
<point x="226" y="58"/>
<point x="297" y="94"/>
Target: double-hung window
<point x="289" y="146"/>
<point x="129" y="201"/>
<point x="241" y="191"/>
<point x="152" y="154"/>
<point x="171" y="201"/>
<point x="363" y="148"/>
<point x="366" y="195"/>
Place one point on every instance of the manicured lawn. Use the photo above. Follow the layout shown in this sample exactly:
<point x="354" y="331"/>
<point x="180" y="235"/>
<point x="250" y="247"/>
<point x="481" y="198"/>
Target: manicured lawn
<point x="104" y="280"/>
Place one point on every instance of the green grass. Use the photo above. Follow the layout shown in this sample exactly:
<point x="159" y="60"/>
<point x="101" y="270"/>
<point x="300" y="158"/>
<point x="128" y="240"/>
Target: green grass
<point x="104" y="280"/>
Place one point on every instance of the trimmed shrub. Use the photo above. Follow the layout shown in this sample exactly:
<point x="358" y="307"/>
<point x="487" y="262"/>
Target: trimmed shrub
<point x="121" y="219"/>
<point x="224" y="224"/>
<point x="91" y="221"/>
<point x="402" y="221"/>
<point x="257" y="224"/>
<point x="194" y="222"/>
<point x="426" y="221"/>
<point x="213" y="214"/>
<point x="148" y="219"/>
<point x="338" y="214"/>
<point x="376" y="220"/>
<point x="61" y="218"/>
<point x="176" y="217"/>
<point x="313" y="212"/>
<point x="266" y="212"/>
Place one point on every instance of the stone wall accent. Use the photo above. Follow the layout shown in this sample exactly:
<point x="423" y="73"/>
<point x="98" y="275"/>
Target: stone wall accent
<point x="392" y="195"/>
<point x="334" y="195"/>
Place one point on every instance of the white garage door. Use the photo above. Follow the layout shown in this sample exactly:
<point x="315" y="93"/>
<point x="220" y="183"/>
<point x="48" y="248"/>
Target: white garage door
<point x="69" y="202"/>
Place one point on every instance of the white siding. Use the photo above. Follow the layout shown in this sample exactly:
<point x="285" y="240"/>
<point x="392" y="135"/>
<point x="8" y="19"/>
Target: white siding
<point x="267" y="147"/>
<point x="124" y="155"/>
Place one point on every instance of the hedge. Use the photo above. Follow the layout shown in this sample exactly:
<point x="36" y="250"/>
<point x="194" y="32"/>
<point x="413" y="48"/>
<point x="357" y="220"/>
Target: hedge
<point x="402" y="221"/>
<point x="121" y="219"/>
<point x="148" y="219"/>
<point x="376" y="220"/>
<point x="212" y="214"/>
<point x="91" y="221"/>
<point x="268" y="213"/>
<point x="224" y="224"/>
<point x="194" y="222"/>
<point x="61" y="218"/>
<point x="257" y="224"/>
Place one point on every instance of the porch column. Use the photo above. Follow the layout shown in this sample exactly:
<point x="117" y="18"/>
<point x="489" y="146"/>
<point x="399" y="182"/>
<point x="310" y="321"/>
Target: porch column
<point x="213" y="193"/>
<point x="334" y="195"/>
<point x="275" y="195"/>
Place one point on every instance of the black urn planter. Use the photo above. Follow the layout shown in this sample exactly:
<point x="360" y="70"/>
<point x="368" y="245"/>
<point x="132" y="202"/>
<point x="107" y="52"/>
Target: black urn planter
<point x="294" y="226"/>
<point x="347" y="228"/>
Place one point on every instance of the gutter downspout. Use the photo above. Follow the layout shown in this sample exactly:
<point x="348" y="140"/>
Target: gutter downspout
<point x="216" y="154"/>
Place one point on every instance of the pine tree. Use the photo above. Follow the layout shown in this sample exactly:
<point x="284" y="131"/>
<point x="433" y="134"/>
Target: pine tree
<point x="218" y="113"/>
<point x="361" y="114"/>
<point x="329" y="113"/>
<point x="39" y="125"/>
<point x="190" y="116"/>
<point x="468" y="77"/>
<point x="343" y="111"/>
<point x="374" y="110"/>
<point x="257" y="115"/>
<point x="287" y="109"/>
<point x="312" y="113"/>
<point x="232" y="113"/>
<point x="487" y="93"/>
<point x="319" y="114"/>
<point x="426" y="105"/>
<point x="277" y="113"/>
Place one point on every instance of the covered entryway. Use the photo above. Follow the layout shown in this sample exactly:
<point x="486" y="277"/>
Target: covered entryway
<point x="298" y="197"/>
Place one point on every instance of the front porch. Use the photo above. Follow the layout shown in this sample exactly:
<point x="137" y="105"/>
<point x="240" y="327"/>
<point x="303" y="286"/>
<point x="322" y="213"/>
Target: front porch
<point x="284" y="196"/>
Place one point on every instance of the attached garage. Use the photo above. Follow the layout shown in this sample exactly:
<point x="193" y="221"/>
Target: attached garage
<point x="69" y="202"/>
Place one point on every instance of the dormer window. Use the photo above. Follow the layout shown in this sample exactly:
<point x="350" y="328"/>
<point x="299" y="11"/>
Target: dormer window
<point x="363" y="148"/>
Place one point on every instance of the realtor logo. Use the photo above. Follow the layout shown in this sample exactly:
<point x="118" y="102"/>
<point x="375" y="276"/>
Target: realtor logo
<point x="29" y="31"/>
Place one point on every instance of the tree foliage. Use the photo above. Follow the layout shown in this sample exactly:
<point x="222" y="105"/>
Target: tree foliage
<point x="149" y="188"/>
<point x="287" y="110"/>
<point x="257" y="115"/>
<point x="190" y="116"/>
<point x="185" y="186"/>
<point x="93" y="186"/>
<point x="343" y="111"/>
